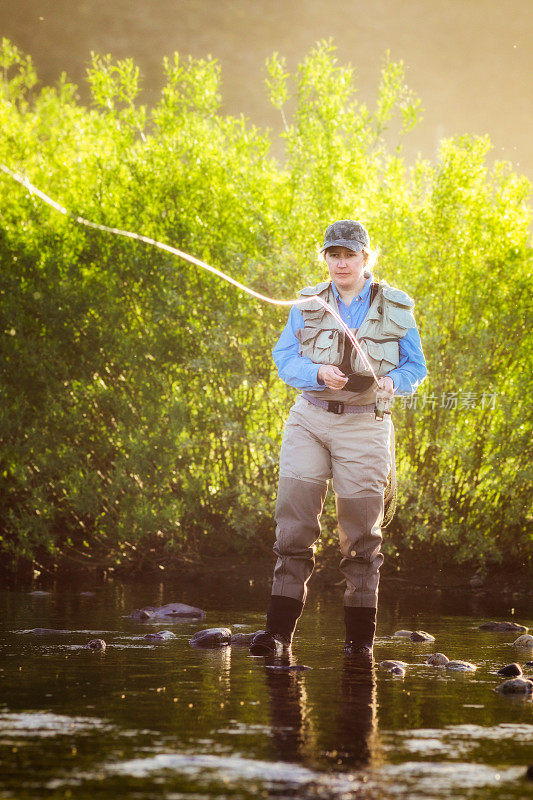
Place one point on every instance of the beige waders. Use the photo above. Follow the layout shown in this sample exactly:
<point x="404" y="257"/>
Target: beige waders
<point x="352" y="449"/>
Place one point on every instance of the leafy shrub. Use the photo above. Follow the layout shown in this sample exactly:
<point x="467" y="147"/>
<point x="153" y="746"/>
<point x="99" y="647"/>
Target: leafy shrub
<point x="141" y="413"/>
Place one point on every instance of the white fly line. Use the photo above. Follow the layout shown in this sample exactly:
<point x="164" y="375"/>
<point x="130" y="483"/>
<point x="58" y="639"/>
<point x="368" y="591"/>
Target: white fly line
<point x="24" y="181"/>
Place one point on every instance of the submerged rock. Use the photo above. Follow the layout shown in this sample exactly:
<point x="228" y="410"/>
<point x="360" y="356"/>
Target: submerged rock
<point x="437" y="660"/>
<point x="524" y="641"/>
<point x="392" y="663"/>
<point x="47" y="631"/>
<point x="510" y="670"/>
<point x="421" y="636"/>
<point x="168" y="611"/>
<point x="244" y="639"/>
<point x="98" y="645"/>
<point x="403" y="634"/>
<point x="39" y="593"/>
<point x="503" y="626"/>
<point x="515" y="686"/>
<point x="211" y="637"/>
<point x="398" y="671"/>
<point x="287" y="667"/>
<point x="160" y="636"/>
<point x="461" y="666"/>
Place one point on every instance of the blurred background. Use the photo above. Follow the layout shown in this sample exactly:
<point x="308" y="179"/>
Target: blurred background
<point x="470" y="62"/>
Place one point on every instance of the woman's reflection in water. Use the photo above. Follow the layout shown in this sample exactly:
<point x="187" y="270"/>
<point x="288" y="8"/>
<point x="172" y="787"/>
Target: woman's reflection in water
<point x="350" y="741"/>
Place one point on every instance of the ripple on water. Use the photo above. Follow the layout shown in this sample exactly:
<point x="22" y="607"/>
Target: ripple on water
<point x="206" y="768"/>
<point x="429" y="779"/>
<point x="46" y="724"/>
<point x="455" y="740"/>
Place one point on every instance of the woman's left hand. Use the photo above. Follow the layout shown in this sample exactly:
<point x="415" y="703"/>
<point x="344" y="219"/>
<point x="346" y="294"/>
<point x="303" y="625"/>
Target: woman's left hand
<point x="385" y="388"/>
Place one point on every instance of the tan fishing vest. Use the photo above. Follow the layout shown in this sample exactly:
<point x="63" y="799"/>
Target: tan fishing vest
<point x="388" y="319"/>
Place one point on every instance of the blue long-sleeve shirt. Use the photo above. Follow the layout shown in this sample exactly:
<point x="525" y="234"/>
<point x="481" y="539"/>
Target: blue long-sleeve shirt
<point x="300" y="372"/>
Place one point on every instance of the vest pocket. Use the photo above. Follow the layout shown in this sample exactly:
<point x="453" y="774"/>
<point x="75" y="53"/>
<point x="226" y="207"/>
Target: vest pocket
<point x="383" y="356"/>
<point x="321" y="345"/>
<point x="396" y="320"/>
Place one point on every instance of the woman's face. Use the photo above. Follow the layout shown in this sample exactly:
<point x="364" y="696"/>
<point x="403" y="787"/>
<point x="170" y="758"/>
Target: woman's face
<point x="345" y="268"/>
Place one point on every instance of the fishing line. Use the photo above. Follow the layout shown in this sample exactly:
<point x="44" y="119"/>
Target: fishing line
<point x="24" y="181"/>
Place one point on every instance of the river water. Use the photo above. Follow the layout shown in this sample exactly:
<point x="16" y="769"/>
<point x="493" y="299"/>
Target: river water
<point x="145" y="720"/>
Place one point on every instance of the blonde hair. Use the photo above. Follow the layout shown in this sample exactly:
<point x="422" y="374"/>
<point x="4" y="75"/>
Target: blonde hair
<point x="371" y="256"/>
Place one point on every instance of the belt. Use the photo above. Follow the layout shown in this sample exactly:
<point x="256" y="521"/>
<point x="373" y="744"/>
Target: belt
<point x="335" y="407"/>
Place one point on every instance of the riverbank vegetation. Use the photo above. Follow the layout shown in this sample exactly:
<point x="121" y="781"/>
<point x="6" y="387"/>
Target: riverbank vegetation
<point x="141" y="414"/>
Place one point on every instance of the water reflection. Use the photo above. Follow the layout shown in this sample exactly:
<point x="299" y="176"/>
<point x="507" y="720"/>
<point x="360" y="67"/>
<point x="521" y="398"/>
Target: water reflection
<point x="353" y="740"/>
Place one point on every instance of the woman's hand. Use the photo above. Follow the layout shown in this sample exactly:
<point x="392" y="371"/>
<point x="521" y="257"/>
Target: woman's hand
<point x="332" y="377"/>
<point x="385" y="388"/>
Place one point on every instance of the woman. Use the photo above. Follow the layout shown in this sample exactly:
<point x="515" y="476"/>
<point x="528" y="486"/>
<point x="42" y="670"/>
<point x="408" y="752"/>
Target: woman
<point x="333" y="433"/>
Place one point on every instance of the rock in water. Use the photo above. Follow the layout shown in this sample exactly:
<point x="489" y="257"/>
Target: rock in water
<point x="398" y="671"/>
<point x="524" y="641"/>
<point x="211" y="637"/>
<point x="287" y="668"/>
<point x="515" y="686"/>
<point x="47" y="632"/>
<point x="244" y="639"/>
<point x="392" y="663"/>
<point x="437" y="660"/>
<point x="98" y="645"/>
<point x="510" y="670"/>
<point x="160" y="636"/>
<point x="421" y="636"/>
<point x="403" y="634"/>
<point x="169" y="611"/>
<point x="461" y="666"/>
<point x="503" y="626"/>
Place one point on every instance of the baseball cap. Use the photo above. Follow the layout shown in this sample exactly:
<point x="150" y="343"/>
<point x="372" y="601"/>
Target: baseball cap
<point x="346" y="233"/>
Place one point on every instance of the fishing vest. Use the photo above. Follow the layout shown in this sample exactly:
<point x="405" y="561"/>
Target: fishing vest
<point x="322" y="339"/>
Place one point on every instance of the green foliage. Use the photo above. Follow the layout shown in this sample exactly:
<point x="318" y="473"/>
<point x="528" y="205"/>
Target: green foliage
<point x="141" y="413"/>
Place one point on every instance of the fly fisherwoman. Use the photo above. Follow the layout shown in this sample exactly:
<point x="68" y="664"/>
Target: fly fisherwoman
<point x="334" y="431"/>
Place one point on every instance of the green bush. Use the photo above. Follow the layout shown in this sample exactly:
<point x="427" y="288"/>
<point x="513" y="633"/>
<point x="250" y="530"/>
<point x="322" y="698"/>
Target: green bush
<point x="141" y="413"/>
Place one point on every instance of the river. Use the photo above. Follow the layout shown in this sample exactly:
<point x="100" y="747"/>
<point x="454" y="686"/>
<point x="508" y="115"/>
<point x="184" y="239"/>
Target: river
<point x="144" y="720"/>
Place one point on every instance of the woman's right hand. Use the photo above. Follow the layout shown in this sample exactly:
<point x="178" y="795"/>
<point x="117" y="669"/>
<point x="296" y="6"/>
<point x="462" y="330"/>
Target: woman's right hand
<point x="332" y="376"/>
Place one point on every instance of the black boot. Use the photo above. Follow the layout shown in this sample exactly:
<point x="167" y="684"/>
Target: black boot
<point x="360" y="629"/>
<point x="282" y="616"/>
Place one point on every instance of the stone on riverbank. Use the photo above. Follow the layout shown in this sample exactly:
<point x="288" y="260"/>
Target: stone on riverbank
<point x="168" y="611"/>
<point x="211" y="637"/>
<point x="460" y="666"/>
<point x="515" y="686"/>
<point x="503" y="626"/>
<point x="510" y="670"/>
<point x="437" y="660"/>
<point x="421" y="636"/>
<point x="524" y="641"/>
<point x="159" y="636"/>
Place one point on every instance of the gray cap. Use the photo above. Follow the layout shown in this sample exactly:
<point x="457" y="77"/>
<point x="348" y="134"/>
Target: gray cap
<point x="346" y="233"/>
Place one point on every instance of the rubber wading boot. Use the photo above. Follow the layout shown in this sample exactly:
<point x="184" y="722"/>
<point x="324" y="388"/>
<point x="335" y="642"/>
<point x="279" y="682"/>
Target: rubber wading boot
<point x="360" y="629"/>
<point x="282" y="616"/>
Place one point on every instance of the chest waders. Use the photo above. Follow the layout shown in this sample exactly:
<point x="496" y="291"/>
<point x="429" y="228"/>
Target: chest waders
<point x="353" y="450"/>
